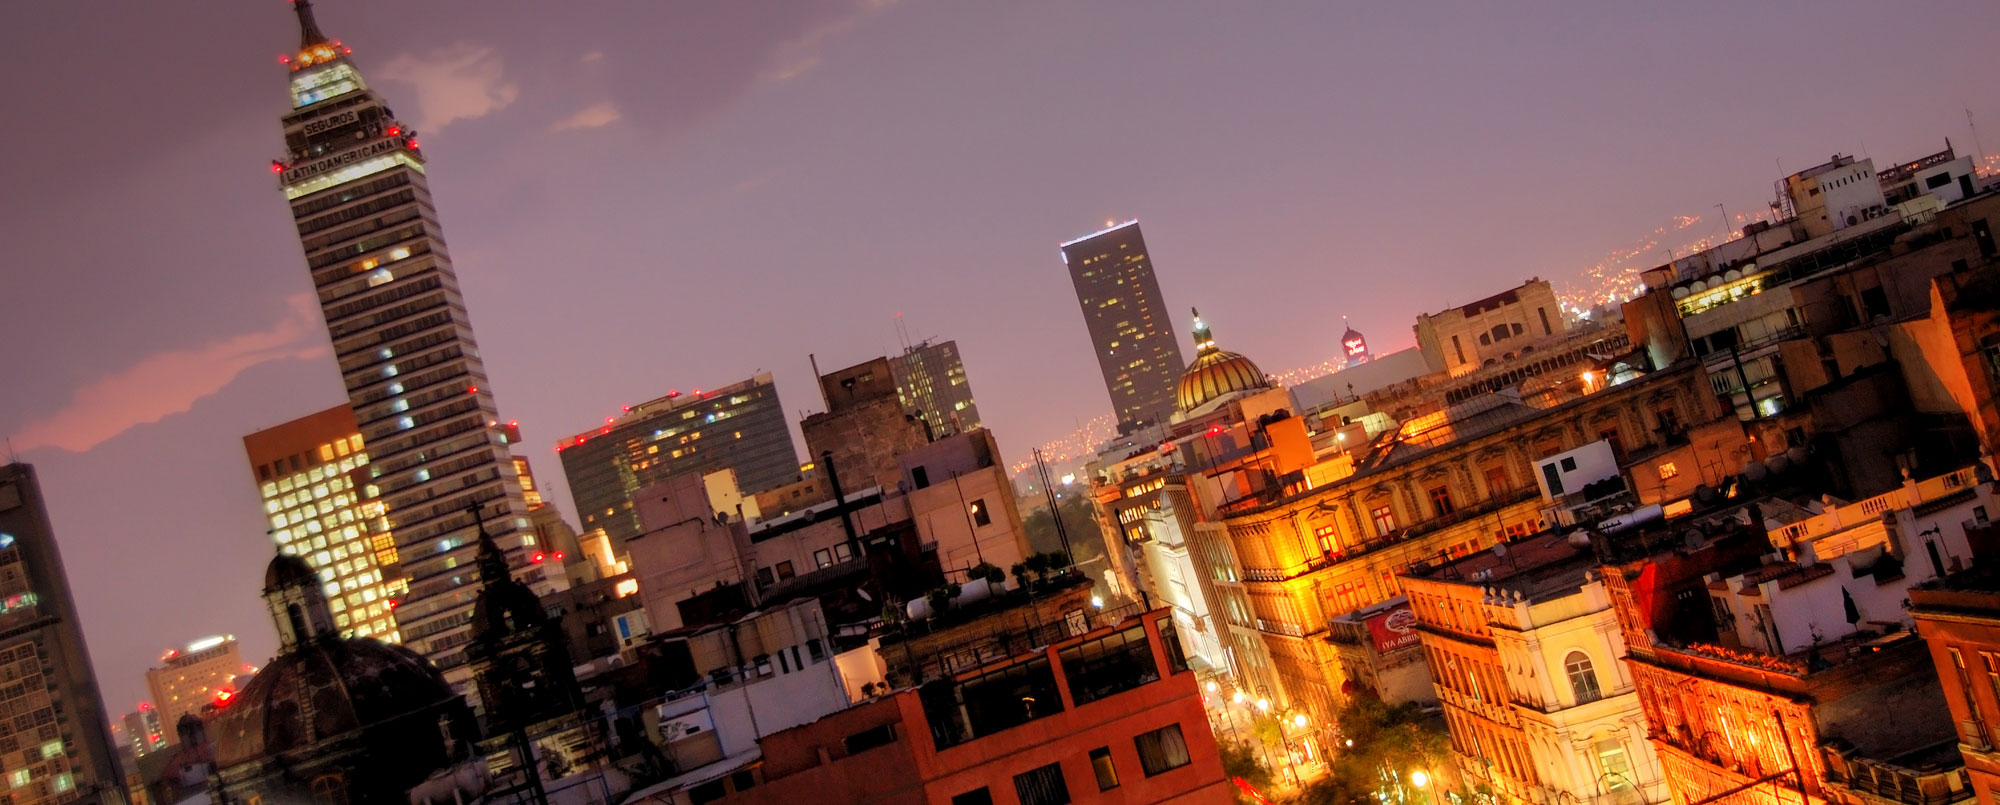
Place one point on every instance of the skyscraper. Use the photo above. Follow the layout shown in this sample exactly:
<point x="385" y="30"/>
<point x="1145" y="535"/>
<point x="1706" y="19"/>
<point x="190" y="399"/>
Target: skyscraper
<point x="931" y="381"/>
<point x="740" y="426"/>
<point x="55" y="744"/>
<point x="1129" y="326"/>
<point x="312" y="474"/>
<point x="355" y="179"/>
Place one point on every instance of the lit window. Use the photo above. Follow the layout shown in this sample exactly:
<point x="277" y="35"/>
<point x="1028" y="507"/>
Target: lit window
<point x="380" y="277"/>
<point x="626" y="587"/>
<point x="406" y="423"/>
<point x="402" y="253"/>
<point x="1669" y="471"/>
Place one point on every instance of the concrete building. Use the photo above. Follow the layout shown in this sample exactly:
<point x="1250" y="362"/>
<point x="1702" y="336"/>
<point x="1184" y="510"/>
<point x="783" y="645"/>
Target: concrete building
<point x="191" y="678"/>
<point x="355" y="181"/>
<point x="1497" y="329"/>
<point x="930" y="380"/>
<point x="960" y="499"/>
<point x="313" y="476"/>
<point x="56" y="743"/>
<point x="762" y="674"/>
<point x="1381" y="653"/>
<point x="1131" y="331"/>
<point x="740" y="427"/>
<point x="1524" y="643"/>
<point x="864" y="428"/>
<point x="1114" y="715"/>
<point x="1944" y="175"/>
<point x="957" y="513"/>
<point x="1835" y="195"/>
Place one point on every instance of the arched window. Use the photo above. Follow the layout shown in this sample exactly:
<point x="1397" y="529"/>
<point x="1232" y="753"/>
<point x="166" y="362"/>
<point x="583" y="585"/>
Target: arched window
<point x="1499" y="332"/>
<point x="329" y="790"/>
<point x="1485" y="340"/>
<point x="1582" y="678"/>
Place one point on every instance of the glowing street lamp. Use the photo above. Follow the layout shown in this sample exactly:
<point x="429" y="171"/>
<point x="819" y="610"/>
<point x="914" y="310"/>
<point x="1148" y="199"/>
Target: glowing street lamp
<point x="1264" y="705"/>
<point x="1419" y="778"/>
<point x="1236" y="697"/>
<point x="1299" y="721"/>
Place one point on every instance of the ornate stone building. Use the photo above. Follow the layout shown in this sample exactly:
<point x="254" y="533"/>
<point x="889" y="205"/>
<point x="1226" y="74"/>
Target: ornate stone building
<point x="332" y="719"/>
<point x="1442" y="485"/>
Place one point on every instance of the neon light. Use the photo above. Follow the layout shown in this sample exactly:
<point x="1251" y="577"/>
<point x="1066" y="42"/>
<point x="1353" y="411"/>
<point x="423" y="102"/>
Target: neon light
<point x="206" y="643"/>
<point x="1066" y="244"/>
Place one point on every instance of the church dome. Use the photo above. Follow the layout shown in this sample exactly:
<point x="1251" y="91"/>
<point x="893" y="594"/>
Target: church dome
<point x="287" y="570"/>
<point x="321" y="690"/>
<point x="1216" y="372"/>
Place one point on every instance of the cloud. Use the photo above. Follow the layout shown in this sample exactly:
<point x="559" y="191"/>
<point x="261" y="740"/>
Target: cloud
<point x="171" y="382"/>
<point x="460" y="82"/>
<point x="590" y="117"/>
<point x="801" y="56"/>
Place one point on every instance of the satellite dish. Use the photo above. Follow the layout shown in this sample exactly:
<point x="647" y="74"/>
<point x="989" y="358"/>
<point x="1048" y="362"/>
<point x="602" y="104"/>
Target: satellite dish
<point x="1694" y="539"/>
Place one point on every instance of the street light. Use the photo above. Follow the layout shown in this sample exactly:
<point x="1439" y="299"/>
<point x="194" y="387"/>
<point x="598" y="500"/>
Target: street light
<point x="1236" y="697"/>
<point x="1299" y="721"/>
<point x="1420" y="778"/>
<point x="1212" y="687"/>
<point x="1264" y="705"/>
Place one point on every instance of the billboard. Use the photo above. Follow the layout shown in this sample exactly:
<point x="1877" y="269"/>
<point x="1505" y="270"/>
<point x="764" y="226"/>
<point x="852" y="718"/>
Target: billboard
<point x="1394" y="628"/>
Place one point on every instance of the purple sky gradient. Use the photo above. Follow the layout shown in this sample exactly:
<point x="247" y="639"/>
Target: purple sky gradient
<point x="642" y="196"/>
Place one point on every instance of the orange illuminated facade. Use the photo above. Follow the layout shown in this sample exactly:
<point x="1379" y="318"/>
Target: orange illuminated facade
<point x="1959" y="617"/>
<point x="312" y="475"/>
<point x="1113" y="715"/>
<point x="1442" y="487"/>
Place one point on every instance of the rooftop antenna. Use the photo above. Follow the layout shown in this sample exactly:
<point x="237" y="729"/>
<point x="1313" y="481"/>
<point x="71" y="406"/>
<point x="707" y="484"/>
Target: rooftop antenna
<point x="902" y="332"/>
<point x="1978" y="151"/>
<point x="810" y="358"/>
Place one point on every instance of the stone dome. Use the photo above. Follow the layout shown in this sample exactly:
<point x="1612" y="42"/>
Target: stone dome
<point x="287" y="570"/>
<point x="1215" y="372"/>
<point x="321" y="690"/>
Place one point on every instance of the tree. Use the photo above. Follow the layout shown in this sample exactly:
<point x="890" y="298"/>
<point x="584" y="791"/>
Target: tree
<point x="1388" y="743"/>
<point x="1079" y="518"/>
<point x="1239" y="760"/>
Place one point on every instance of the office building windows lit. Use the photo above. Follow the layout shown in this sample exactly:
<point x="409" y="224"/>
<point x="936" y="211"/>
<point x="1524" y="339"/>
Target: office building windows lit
<point x="313" y="477"/>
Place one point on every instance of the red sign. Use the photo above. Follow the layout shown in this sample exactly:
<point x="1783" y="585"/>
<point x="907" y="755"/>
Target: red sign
<point x="1394" y="629"/>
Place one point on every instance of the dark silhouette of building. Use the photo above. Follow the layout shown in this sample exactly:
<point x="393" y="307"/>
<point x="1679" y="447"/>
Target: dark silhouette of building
<point x="1130" y="330"/>
<point x="519" y="655"/>
<point x="351" y="720"/>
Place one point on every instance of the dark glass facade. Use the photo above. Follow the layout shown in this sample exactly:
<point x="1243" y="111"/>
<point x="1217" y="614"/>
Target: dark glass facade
<point x="740" y="427"/>
<point x="1130" y="329"/>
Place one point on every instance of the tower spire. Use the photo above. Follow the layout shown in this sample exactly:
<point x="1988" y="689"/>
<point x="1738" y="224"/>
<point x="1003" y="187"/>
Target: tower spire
<point x="1204" y="341"/>
<point x="309" y="32"/>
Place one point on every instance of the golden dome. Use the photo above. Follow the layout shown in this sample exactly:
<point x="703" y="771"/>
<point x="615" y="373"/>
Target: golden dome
<point x="1215" y="372"/>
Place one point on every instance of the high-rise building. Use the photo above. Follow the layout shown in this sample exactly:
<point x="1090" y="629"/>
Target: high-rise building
<point x="141" y="731"/>
<point x="313" y="476"/>
<point x="190" y="678"/>
<point x="739" y="427"/>
<point x="930" y="380"/>
<point x="55" y="744"/>
<point x="356" y="182"/>
<point x="1129" y="327"/>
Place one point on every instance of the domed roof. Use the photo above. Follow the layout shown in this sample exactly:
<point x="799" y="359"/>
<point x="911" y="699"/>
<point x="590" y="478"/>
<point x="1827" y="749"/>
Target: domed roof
<point x="287" y="570"/>
<point x="1215" y="372"/>
<point x="320" y="690"/>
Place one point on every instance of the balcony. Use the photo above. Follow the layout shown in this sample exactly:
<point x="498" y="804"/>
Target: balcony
<point x="1930" y="775"/>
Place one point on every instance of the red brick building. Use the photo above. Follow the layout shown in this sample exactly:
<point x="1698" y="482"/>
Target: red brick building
<point x="1113" y="715"/>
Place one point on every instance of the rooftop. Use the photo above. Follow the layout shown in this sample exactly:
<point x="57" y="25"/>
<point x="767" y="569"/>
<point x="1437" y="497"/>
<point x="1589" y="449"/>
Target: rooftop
<point x="1537" y="567"/>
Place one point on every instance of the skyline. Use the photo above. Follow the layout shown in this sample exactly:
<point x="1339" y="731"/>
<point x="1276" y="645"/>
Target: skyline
<point x="539" y="161"/>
